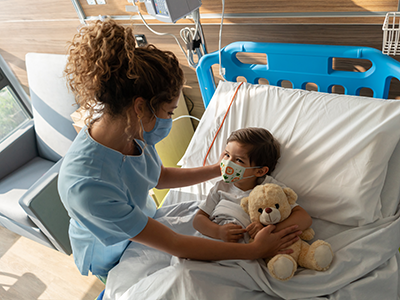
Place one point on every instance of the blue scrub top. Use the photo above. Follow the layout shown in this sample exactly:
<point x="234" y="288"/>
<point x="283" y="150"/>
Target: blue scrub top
<point x="106" y="196"/>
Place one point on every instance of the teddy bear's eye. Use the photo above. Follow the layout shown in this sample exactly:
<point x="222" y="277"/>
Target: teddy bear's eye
<point x="277" y="206"/>
<point x="260" y="210"/>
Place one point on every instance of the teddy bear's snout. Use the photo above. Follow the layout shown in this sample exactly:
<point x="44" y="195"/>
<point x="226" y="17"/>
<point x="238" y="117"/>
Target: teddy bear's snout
<point x="270" y="215"/>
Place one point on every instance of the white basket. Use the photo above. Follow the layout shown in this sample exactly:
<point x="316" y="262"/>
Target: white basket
<point x="391" y="32"/>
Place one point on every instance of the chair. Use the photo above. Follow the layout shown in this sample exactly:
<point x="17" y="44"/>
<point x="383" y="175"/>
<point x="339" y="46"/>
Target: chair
<point x="30" y="158"/>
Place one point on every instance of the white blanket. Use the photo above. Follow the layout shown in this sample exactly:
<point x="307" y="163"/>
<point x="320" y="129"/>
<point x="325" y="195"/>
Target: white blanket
<point x="365" y="266"/>
<point x="229" y="212"/>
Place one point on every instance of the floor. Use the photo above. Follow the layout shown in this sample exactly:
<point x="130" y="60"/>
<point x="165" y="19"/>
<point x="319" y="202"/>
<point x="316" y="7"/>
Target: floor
<point x="31" y="271"/>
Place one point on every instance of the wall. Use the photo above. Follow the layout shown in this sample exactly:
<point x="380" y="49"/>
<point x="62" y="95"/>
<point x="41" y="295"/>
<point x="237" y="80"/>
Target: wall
<point x="47" y="26"/>
<point x="40" y="26"/>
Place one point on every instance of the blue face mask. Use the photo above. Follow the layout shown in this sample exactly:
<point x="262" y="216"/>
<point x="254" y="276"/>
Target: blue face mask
<point x="159" y="132"/>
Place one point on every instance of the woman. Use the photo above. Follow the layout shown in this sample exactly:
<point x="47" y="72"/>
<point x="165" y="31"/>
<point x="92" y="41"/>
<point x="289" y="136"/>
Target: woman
<point x="106" y="175"/>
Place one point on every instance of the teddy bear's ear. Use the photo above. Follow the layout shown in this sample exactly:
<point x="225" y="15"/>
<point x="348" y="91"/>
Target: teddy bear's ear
<point x="291" y="195"/>
<point x="244" y="203"/>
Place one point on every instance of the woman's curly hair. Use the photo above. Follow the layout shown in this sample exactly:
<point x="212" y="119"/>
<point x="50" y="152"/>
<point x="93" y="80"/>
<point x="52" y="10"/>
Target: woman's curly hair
<point x="107" y="72"/>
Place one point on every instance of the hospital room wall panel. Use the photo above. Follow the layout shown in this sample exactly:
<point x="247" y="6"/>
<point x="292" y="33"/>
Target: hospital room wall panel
<point x="117" y="7"/>
<point x="298" y="20"/>
<point x="19" y="38"/>
<point x="272" y="6"/>
<point x="298" y="12"/>
<point x="16" y="11"/>
<point x="47" y="27"/>
<point x="44" y="26"/>
<point x="51" y="37"/>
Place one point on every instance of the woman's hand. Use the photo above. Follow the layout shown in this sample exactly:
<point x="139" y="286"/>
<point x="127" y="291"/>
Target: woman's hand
<point x="254" y="228"/>
<point x="217" y="166"/>
<point x="268" y="243"/>
<point x="231" y="232"/>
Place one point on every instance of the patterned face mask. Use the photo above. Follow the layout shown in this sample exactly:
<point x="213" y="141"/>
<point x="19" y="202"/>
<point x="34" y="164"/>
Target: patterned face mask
<point x="232" y="172"/>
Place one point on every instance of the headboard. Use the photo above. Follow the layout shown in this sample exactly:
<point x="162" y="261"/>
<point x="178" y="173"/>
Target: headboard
<point x="301" y="64"/>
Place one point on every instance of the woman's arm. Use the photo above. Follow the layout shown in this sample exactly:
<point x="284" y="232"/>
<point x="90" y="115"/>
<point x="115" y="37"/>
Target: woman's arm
<point x="227" y="233"/>
<point x="180" y="177"/>
<point x="266" y="243"/>
<point x="298" y="217"/>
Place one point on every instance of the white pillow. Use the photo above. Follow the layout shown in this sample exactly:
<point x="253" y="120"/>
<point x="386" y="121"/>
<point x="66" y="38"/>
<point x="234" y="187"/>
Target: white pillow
<point x="334" y="148"/>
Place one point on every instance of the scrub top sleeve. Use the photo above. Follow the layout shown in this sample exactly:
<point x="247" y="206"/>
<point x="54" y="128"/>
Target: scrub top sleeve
<point x="104" y="210"/>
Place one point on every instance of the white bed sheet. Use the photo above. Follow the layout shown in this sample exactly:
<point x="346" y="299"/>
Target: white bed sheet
<point x="365" y="266"/>
<point x="366" y="262"/>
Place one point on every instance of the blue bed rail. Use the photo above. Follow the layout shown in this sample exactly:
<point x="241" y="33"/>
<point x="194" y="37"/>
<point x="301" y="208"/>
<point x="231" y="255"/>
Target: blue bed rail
<point x="301" y="64"/>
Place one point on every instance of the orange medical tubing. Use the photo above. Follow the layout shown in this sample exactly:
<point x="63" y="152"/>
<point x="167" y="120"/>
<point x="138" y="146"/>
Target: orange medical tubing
<point x="222" y="123"/>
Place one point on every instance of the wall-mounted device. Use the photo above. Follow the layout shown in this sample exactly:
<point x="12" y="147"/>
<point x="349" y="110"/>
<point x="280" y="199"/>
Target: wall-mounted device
<point x="171" y="10"/>
<point x="141" y="40"/>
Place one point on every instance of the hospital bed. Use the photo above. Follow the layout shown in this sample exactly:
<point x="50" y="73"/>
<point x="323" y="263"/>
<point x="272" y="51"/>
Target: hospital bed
<point x="340" y="154"/>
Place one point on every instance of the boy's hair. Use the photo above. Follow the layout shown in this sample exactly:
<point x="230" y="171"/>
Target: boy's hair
<point x="265" y="149"/>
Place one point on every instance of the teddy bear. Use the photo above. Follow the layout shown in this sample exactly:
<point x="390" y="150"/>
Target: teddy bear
<point x="271" y="204"/>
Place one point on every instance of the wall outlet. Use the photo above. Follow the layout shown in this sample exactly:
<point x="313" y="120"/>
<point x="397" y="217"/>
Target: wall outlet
<point x="141" y="40"/>
<point x="101" y="2"/>
<point x="91" y="2"/>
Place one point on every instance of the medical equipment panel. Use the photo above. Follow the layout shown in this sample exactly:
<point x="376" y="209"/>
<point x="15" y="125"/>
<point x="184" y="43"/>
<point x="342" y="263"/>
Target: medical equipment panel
<point x="171" y="10"/>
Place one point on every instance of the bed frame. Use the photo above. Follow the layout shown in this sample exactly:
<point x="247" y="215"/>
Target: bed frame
<point x="301" y="64"/>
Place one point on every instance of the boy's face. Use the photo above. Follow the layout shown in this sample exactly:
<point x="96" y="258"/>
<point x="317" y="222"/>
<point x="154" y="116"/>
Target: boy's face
<point x="237" y="153"/>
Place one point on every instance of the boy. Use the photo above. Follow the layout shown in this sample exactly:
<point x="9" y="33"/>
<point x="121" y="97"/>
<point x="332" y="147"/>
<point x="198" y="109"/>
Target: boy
<point x="250" y="156"/>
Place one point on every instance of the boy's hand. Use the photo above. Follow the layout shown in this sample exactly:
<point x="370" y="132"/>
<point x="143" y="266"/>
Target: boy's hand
<point x="254" y="228"/>
<point x="231" y="232"/>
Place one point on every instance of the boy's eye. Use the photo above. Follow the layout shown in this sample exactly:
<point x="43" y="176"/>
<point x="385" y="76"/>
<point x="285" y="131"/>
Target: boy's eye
<point x="170" y="113"/>
<point x="239" y="160"/>
<point x="226" y="154"/>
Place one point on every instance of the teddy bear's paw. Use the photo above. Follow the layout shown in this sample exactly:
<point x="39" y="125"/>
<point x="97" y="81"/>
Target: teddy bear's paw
<point x="282" y="267"/>
<point x="307" y="234"/>
<point x="323" y="255"/>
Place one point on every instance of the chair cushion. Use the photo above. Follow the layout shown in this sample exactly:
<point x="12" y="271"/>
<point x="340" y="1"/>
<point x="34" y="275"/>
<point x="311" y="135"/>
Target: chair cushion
<point x="52" y="104"/>
<point x="16" y="184"/>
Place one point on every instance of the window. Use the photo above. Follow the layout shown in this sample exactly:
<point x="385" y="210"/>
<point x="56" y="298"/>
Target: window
<point x="12" y="114"/>
<point x="14" y="110"/>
